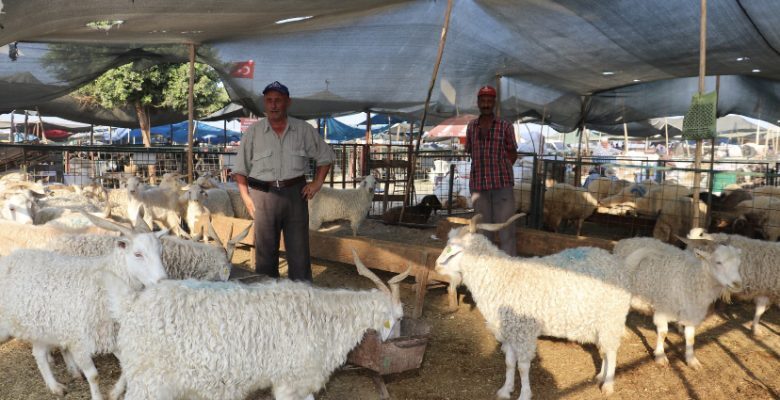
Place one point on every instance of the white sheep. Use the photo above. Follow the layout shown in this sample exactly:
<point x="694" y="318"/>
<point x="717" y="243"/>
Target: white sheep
<point x="56" y="300"/>
<point x="350" y="204"/>
<point x="177" y="339"/>
<point x="678" y="285"/>
<point x="760" y="276"/>
<point x="159" y="205"/>
<point x="564" y="202"/>
<point x="522" y="299"/>
<point x="239" y="208"/>
<point x="193" y="199"/>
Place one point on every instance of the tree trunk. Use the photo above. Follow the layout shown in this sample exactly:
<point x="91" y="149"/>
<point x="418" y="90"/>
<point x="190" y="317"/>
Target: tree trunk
<point x="146" y="133"/>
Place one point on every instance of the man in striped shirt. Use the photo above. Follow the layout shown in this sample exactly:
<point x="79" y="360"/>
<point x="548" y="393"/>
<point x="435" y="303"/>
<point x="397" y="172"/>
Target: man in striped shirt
<point x="491" y="143"/>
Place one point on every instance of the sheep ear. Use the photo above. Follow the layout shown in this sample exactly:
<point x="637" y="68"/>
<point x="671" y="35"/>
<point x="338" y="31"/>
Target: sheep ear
<point x="702" y="254"/>
<point x="161" y="233"/>
<point x="448" y="253"/>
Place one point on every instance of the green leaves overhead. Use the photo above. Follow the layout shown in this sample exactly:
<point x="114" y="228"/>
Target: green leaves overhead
<point x="158" y="86"/>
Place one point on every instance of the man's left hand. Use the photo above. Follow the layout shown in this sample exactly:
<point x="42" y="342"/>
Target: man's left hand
<point x="310" y="190"/>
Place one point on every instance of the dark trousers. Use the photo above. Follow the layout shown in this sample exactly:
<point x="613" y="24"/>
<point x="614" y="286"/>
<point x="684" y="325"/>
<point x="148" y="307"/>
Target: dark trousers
<point x="496" y="206"/>
<point x="280" y="211"/>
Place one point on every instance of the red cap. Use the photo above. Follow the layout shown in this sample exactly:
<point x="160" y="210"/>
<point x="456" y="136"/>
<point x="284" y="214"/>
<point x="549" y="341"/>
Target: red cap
<point x="486" y="91"/>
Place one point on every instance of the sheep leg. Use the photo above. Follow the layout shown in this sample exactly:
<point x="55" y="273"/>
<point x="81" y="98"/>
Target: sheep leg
<point x="287" y="392"/>
<point x="509" y="383"/>
<point x="579" y="226"/>
<point x="661" y="329"/>
<point x="608" y="364"/>
<point x="524" y="367"/>
<point x="41" y="353"/>
<point x="354" y="225"/>
<point x="690" y="338"/>
<point x="84" y="361"/>
<point x="70" y="364"/>
<point x="762" y="302"/>
<point x="119" y="388"/>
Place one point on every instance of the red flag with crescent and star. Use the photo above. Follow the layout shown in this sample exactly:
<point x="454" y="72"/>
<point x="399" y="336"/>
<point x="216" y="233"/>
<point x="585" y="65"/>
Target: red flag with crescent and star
<point x="243" y="69"/>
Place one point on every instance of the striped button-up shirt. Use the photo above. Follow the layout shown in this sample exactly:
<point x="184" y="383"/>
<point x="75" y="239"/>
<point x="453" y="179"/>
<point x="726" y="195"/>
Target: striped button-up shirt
<point x="490" y="165"/>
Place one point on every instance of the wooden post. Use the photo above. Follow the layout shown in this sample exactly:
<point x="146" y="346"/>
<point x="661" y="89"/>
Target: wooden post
<point x="191" y="114"/>
<point x="702" y="72"/>
<point x="368" y="127"/>
<point x="666" y="133"/>
<point x="442" y="41"/>
<point x="625" y="138"/>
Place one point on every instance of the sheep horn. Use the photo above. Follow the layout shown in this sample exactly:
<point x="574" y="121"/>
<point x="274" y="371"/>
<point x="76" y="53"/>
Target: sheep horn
<point x="498" y="227"/>
<point x="108" y="225"/>
<point x="473" y="223"/>
<point x="395" y="285"/>
<point x="241" y="235"/>
<point x="362" y="270"/>
<point x="231" y="245"/>
<point x="214" y="235"/>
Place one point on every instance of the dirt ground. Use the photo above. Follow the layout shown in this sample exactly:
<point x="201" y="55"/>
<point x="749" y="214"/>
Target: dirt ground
<point x="463" y="361"/>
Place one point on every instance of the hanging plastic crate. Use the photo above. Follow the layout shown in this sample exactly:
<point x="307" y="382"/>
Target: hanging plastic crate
<point x="701" y="119"/>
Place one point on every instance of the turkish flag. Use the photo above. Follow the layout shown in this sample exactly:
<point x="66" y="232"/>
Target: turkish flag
<point x="243" y="69"/>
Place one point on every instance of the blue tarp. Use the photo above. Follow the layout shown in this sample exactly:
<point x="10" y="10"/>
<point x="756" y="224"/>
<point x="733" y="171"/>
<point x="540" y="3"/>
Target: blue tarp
<point x="383" y="119"/>
<point x="161" y="134"/>
<point x="339" y="132"/>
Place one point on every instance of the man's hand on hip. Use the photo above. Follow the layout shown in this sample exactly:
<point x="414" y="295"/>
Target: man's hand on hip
<point x="310" y="190"/>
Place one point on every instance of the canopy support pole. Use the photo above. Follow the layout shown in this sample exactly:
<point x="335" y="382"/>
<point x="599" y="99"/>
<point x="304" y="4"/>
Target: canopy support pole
<point x="412" y="160"/>
<point x="625" y="137"/>
<point x="191" y="114"/>
<point x="666" y="133"/>
<point x="702" y="72"/>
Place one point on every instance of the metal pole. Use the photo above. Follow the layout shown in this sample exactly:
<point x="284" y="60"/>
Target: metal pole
<point x="442" y="42"/>
<point x="666" y="133"/>
<point x="625" y="138"/>
<point x="191" y="114"/>
<point x="702" y="72"/>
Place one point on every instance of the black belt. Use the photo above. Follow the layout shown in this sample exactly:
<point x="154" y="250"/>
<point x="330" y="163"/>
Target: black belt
<point x="278" y="184"/>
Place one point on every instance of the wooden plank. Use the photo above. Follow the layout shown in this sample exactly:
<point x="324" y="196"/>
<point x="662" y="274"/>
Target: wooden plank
<point x="376" y="254"/>
<point x="533" y="242"/>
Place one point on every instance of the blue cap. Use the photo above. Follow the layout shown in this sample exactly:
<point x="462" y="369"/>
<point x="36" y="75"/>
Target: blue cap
<point x="275" y="86"/>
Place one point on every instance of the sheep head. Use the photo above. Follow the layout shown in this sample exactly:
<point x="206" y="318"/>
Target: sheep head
<point x="393" y="292"/>
<point x="18" y="208"/>
<point x="720" y="260"/>
<point x="369" y="182"/>
<point x="459" y="240"/>
<point x="141" y="252"/>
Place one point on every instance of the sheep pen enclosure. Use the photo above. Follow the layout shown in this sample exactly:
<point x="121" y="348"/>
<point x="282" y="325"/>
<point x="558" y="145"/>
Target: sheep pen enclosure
<point x="463" y="360"/>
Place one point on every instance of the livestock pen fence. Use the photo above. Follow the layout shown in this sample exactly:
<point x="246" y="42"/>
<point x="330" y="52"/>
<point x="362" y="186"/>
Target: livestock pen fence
<point x="624" y="207"/>
<point x="446" y="174"/>
<point x="442" y="173"/>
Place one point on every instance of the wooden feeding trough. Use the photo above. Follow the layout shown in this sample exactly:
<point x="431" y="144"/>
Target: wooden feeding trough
<point x="396" y="355"/>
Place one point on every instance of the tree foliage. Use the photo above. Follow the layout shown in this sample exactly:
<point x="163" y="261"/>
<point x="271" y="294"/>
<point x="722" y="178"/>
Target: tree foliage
<point x="159" y="86"/>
